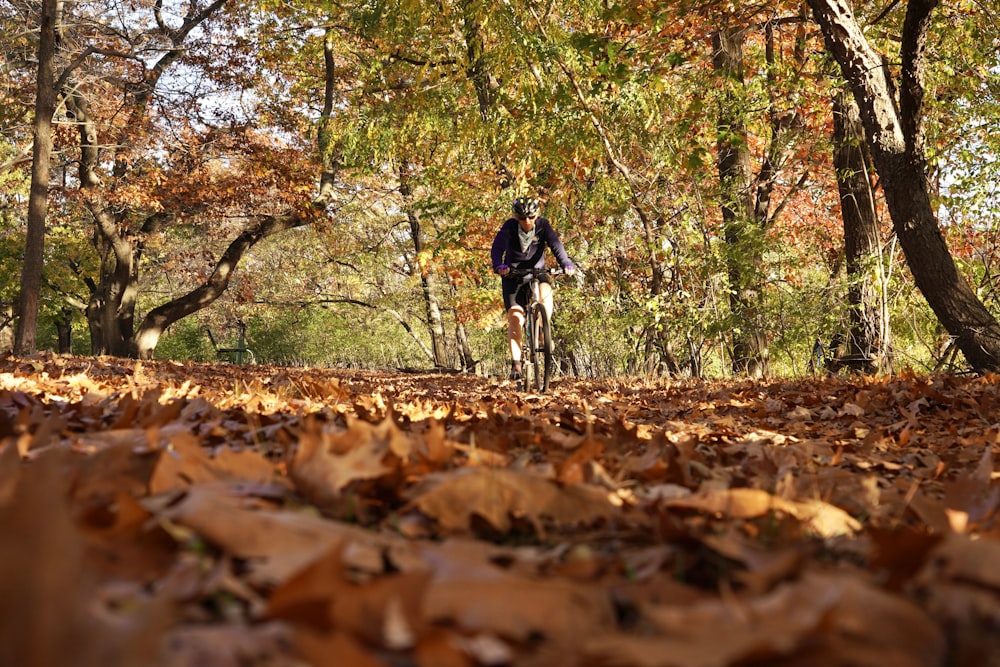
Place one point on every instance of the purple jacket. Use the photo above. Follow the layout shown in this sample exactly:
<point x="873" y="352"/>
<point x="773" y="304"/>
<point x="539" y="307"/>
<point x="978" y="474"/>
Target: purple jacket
<point x="507" y="248"/>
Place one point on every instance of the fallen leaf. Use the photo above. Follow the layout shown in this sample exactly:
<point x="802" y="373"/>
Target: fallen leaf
<point x="819" y="517"/>
<point x="496" y="495"/>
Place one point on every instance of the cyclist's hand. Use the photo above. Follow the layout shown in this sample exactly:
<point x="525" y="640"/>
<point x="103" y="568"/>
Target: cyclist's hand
<point x="503" y="269"/>
<point x="569" y="270"/>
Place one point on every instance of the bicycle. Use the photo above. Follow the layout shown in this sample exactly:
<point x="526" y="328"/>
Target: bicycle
<point x="537" y="346"/>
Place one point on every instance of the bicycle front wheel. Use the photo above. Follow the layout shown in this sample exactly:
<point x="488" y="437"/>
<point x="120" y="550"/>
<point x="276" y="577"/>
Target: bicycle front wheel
<point x="527" y="355"/>
<point x="541" y="341"/>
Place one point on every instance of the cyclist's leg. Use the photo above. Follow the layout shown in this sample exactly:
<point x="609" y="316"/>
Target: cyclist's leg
<point x="514" y="300"/>
<point x="515" y="322"/>
<point x="545" y="292"/>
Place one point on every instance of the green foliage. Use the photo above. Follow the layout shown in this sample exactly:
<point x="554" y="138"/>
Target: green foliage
<point x="186" y="340"/>
<point x="14" y="185"/>
<point x="312" y="336"/>
<point x="11" y="252"/>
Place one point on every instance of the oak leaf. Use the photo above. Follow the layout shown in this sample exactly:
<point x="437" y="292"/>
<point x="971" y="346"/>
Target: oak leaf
<point x="326" y="462"/>
<point x="497" y="495"/>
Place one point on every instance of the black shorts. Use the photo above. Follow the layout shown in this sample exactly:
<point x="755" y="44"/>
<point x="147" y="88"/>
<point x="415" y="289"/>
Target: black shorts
<point x="517" y="290"/>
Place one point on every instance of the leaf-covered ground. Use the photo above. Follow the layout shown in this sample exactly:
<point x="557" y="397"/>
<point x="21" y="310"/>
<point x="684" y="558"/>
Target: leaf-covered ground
<point x="177" y="514"/>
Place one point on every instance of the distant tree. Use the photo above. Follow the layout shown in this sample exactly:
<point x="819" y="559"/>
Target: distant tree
<point x="34" y="247"/>
<point x="122" y="223"/>
<point x="743" y="234"/>
<point x="868" y="342"/>
<point x="152" y="163"/>
<point x="749" y="203"/>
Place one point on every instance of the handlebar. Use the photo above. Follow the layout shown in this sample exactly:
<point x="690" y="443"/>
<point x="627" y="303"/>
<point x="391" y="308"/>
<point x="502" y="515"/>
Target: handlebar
<point x="520" y="273"/>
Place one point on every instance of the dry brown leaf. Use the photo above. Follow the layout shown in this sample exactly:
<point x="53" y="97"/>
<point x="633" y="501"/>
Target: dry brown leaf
<point x="326" y="462"/>
<point x="185" y="461"/>
<point x="764" y="567"/>
<point x="519" y="608"/>
<point x="50" y="609"/>
<point x="276" y="543"/>
<point x="323" y="601"/>
<point x="496" y="495"/>
<point x="123" y="541"/>
<point x="336" y="649"/>
<point x="444" y="648"/>
<point x="972" y="498"/>
<point x="840" y="613"/>
<point x="959" y="558"/>
<point x="819" y="517"/>
<point x="229" y="645"/>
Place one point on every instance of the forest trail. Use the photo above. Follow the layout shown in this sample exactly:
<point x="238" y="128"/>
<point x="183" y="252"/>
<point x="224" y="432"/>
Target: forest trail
<point x="166" y="513"/>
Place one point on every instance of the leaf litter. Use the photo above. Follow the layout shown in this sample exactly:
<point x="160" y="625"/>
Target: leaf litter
<point x="166" y="513"/>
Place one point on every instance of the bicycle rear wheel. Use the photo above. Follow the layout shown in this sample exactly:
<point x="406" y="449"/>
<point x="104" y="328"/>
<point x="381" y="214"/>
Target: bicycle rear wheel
<point x="541" y="341"/>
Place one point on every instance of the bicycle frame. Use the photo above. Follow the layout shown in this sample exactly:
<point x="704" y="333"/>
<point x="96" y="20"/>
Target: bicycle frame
<point x="536" y="341"/>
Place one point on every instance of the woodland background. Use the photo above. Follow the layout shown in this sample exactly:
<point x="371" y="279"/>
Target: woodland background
<point x="315" y="170"/>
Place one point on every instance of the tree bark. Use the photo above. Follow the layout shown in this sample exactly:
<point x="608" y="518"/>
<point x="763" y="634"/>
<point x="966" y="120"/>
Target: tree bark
<point x="895" y="138"/>
<point x="64" y="330"/>
<point x="6" y="328"/>
<point x="868" y="341"/>
<point x="477" y="67"/>
<point x="34" y="246"/>
<point x="157" y="320"/>
<point x="465" y="355"/>
<point x="485" y="83"/>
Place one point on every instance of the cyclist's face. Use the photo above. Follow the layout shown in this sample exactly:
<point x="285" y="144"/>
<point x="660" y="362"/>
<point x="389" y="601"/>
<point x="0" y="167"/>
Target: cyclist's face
<point x="527" y="223"/>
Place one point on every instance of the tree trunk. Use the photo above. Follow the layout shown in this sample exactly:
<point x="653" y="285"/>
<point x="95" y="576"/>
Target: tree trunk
<point x="157" y="320"/>
<point x="45" y="104"/>
<point x="742" y="235"/>
<point x="868" y="339"/>
<point x="476" y="68"/>
<point x="464" y="349"/>
<point x="328" y="143"/>
<point x="428" y="282"/>
<point x="64" y="330"/>
<point x="895" y="138"/>
<point x="111" y="307"/>
<point x="6" y="328"/>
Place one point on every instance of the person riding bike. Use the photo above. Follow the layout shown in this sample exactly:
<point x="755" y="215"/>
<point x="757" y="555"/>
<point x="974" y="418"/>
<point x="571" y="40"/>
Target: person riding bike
<point x="520" y="244"/>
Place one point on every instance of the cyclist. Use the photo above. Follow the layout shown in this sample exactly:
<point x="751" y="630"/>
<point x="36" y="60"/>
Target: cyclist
<point x="520" y="244"/>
